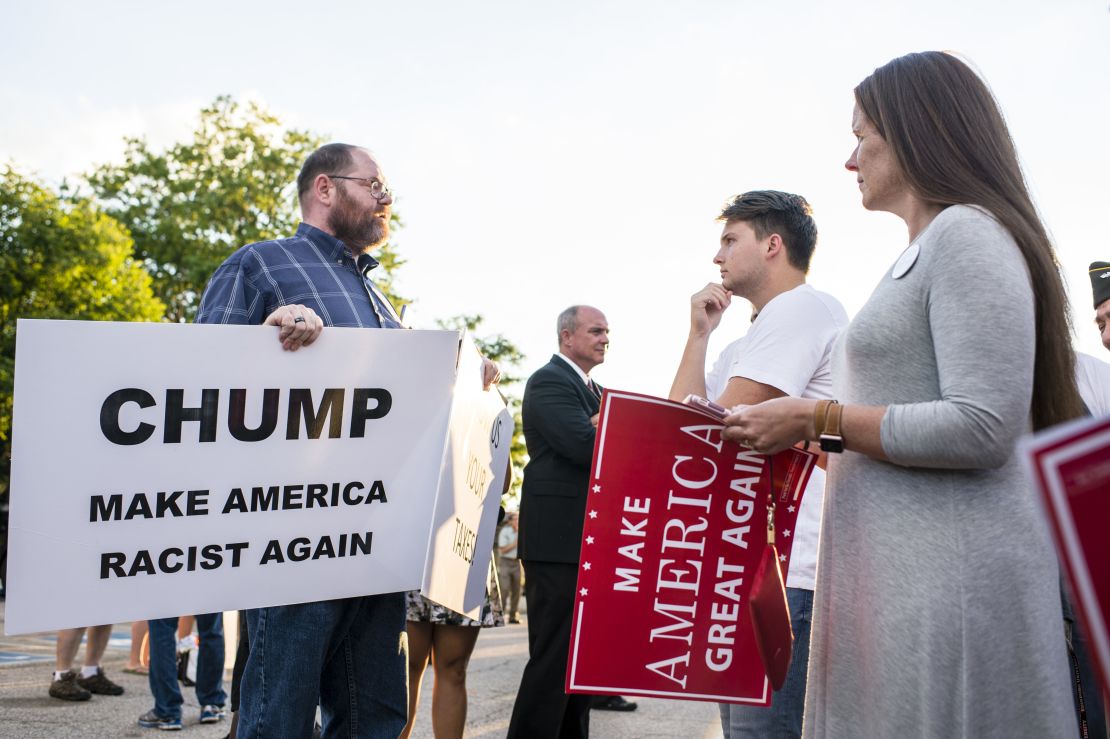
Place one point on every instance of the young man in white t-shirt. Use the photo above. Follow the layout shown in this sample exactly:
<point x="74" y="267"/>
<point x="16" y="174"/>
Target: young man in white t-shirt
<point x="766" y="245"/>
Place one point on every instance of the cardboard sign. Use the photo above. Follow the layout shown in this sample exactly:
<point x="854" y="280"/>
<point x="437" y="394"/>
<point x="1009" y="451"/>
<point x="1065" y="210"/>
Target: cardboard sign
<point x="471" y="480"/>
<point x="1070" y="466"/>
<point x="676" y="523"/>
<point x="161" y="469"/>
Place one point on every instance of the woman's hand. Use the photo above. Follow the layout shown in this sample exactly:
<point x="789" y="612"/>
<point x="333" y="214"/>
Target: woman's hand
<point x="491" y="373"/>
<point x="771" y="426"/>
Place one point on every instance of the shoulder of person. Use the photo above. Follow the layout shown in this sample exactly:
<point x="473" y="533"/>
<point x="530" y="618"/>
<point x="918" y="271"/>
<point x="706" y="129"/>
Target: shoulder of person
<point x="279" y="246"/>
<point x="804" y="303"/>
<point x="250" y="255"/>
<point x="550" y="368"/>
<point x="967" y="242"/>
<point x="550" y="372"/>
<point x="1093" y="366"/>
<point x="957" y="223"/>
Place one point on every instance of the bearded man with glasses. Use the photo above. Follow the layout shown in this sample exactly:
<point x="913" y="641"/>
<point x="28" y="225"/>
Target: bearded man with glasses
<point x="346" y="654"/>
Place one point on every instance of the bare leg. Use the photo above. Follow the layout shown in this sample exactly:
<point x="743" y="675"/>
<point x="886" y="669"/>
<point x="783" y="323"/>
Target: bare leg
<point x="185" y="626"/>
<point x="65" y="684"/>
<point x="69" y="641"/>
<point x="98" y="642"/>
<point x="451" y="650"/>
<point x="138" y="641"/>
<point x="420" y="646"/>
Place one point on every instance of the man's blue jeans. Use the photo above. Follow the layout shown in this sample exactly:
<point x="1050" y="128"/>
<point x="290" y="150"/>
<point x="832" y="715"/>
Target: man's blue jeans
<point x="348" y="655"/>
<point x="163" y="664"/>
<point x="783" y="719"/>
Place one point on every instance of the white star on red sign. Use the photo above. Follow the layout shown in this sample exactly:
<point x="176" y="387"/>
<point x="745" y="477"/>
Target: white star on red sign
<point x="584" y="592"/>
<point x="597" y="488"/>
<point x="782" y="558"/>
<point x="790" y="509"/>
<point x="786" y="532"/>
<point x="589" y="540"/>
<point x="585" y="565"/>
<point x="593" y="514"/>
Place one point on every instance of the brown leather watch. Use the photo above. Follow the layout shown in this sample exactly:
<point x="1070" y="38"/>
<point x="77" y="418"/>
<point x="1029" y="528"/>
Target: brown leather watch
<point x="826" y="421"/>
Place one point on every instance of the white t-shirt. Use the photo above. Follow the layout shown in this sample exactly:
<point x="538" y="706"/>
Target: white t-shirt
<point x="504" y="539"/>
<point x="788" y="347"/>
<point x="1093" y="377"/>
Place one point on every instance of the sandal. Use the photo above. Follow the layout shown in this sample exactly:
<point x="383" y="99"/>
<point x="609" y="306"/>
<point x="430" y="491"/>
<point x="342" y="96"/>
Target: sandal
<point x="136" y="670"/>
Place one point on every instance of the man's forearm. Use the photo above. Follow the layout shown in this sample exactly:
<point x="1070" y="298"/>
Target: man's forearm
<point x="690" y="378"/>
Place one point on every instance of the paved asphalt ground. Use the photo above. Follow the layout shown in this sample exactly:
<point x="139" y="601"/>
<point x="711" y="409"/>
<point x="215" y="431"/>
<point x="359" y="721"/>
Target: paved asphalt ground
<point x="27" y="712"/>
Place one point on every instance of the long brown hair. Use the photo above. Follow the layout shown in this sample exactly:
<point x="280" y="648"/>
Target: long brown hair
<point x="953" y="146"/>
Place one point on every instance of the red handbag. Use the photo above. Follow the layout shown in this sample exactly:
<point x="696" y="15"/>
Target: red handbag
<point x="774" y="637"/>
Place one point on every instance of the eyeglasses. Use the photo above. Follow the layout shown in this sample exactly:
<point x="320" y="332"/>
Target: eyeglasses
<point x="377" y="189"/>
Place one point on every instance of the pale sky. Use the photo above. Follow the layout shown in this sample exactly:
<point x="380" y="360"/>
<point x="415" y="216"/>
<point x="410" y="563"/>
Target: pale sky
<point x="577" y="152"/>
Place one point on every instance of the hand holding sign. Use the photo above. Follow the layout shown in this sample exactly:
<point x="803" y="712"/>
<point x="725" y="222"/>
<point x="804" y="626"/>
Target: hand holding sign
<point x="300" y="326"/>
<point x="491" y="373"/>
<point x="771" y="426"/>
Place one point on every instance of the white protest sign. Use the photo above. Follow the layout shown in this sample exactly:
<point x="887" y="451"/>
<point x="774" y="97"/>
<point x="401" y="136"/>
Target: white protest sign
<point x="161" y="469"/>
<point x="473" y="476"/>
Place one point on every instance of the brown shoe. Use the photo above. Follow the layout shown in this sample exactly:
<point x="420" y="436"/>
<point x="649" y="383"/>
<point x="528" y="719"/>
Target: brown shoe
<point x="99" y="684"/>
<point x="66" y="688"/>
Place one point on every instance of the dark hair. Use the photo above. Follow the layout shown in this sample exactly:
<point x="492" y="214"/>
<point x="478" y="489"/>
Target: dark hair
<point x="771" y="211"/>
<point x="952" y="144"/>
<point x="328" y="159"/>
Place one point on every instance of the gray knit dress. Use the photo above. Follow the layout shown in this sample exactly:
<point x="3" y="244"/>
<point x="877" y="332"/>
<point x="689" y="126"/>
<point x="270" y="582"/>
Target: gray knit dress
<point x="937" y="608"/>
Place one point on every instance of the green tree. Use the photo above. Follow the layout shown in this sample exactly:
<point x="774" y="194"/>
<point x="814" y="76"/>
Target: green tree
<point x="188" y="207"/>
<point x="508" y="356"/>
<point x="60" y="257"/>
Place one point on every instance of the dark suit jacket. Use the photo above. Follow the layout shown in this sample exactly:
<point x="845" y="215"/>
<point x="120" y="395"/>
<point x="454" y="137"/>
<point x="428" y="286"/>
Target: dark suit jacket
<point x="560" y="438"/>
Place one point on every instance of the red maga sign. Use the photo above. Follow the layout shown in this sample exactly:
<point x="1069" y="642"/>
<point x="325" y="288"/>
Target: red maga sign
<point x="676" y="523"/>
<point x="1070" y="465"/>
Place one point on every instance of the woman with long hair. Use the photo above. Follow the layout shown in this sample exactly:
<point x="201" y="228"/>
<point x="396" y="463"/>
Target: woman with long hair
<point x="937" y="606"/>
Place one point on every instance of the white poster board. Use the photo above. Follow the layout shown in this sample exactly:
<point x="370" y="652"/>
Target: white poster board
<point x="104" y="469"/>
<point x="473" y="475"/>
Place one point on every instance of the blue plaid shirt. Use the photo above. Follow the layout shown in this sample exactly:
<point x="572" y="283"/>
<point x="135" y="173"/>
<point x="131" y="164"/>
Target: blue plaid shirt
<point x="312" y="268"/>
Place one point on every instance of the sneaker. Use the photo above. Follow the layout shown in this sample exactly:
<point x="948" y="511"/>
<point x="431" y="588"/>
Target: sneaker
<point x="66" y="688"/>
<point x="98" y="684"/>
<point x="212" y="714"/>
<point x="152" y="720"/>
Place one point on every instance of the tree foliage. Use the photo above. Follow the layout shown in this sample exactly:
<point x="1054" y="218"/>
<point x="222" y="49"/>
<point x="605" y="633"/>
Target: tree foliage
<point x="60" y="257"/>
<point x="508" y="356"/>
<point x="188" y="207"/>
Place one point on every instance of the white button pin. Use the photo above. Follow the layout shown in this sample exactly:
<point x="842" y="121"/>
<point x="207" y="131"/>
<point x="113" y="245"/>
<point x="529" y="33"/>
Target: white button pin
<point x="906" y="261"/>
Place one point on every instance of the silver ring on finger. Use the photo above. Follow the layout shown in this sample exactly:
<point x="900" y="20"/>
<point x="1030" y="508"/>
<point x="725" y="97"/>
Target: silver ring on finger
<point x="298" y="319"/>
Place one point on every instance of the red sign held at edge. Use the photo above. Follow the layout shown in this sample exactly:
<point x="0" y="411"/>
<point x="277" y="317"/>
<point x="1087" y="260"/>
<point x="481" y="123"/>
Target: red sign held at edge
<point x="1070" y="467"/>
<point x="676" y="523"/>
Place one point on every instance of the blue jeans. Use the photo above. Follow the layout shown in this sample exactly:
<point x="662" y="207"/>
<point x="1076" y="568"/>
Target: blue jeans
<point x="783" y="719"/>
<point x="350" y="656"/>
<point x="163" y="664"/>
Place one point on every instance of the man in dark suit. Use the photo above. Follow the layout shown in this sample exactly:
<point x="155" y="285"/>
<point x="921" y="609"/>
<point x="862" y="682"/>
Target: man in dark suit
<point x="560" y="420"/>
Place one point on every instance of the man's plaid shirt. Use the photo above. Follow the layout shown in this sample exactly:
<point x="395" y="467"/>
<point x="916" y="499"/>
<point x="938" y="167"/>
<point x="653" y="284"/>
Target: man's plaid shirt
<point x="311" y="268"/>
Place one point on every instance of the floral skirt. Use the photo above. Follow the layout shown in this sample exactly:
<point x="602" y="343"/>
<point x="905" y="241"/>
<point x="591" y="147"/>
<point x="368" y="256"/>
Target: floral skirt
<point x="420" y="608"/>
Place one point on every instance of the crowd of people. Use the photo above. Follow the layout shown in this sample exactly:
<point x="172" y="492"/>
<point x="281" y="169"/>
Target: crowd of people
<point x="924" y="593"/>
